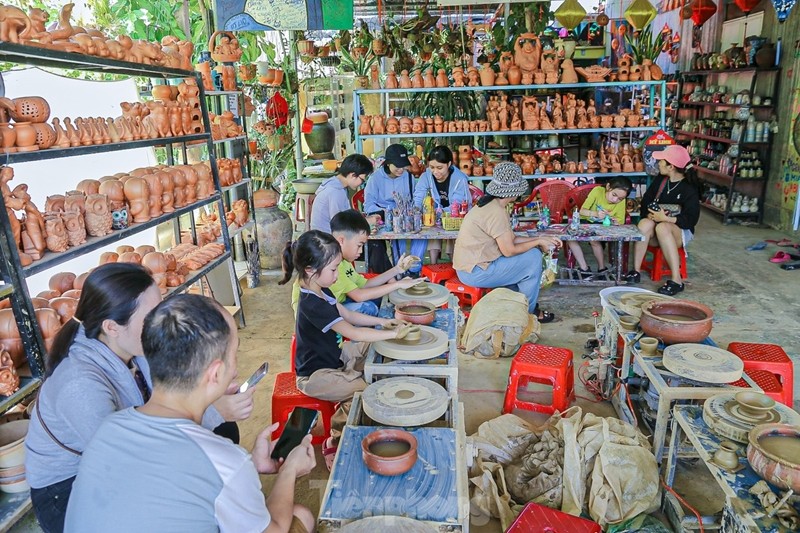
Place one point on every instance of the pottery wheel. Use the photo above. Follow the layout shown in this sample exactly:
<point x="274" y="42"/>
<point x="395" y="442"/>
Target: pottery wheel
<point x="723" y="414"/>
<point x="432" y="343"/>
<point x="388" y="524"/>
<point x="404" y="401"/>
<point x="437" y="296"/>
<point x="613" y="297"/>
<point x="632" y="303"/>
<point x="703" y="363"/>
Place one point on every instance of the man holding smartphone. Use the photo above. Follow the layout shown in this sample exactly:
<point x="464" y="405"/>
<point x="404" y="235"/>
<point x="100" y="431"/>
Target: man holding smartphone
<point x="154" y="468"/>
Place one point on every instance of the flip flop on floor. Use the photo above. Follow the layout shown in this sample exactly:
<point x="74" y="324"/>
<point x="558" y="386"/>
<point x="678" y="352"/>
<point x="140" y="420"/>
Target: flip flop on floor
<point x="780" y="257"/>
<point x="791" y="266"/>
<point x="782" y="242"/>
<point x="329" y="452"/>
<point x="756" y="247"/>
<point x="543" y="316"/>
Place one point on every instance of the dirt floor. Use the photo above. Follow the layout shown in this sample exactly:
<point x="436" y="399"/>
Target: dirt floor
<point x="753" y="300"/>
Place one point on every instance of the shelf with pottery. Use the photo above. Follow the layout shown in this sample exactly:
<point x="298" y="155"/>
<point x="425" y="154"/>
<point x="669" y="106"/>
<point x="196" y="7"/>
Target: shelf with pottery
<point x="544" y="87"/>
<point x="728" y="71"/>
<point x="508" y="132"/>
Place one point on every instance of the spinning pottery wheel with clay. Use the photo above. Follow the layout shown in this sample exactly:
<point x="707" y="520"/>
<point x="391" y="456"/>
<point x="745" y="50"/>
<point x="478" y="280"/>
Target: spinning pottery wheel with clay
<point x="404" y="401"/>
<point x="700" y="362"/>
<point x="425" y="292"/>
<point x="631" y="303"/>
<point x="422" y="342"/>
<point x="733" y="414"/>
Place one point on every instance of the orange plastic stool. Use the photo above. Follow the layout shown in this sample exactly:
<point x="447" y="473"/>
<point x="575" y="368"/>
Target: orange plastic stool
<point x="467" y="296"/>
<point x="658" y="267"/>
<point x="769" y="357"/>
<point x="439" y="273"/>
<point x="541" y="364"/>
<point x="767" y="381"/>
<point x="536" y="518"/>
<point x="285" y="397"/>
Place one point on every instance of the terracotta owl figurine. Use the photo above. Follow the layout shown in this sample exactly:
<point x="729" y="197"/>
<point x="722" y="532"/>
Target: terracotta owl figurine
<point x="119" y="218"/>
<point x="98" y="215"/>
<point x="76" y="228"/>
<point x="57" y="240"/>
<point x="54" y="203"/>
<point x="138" y="195"/>
<point x="75" y="201"/>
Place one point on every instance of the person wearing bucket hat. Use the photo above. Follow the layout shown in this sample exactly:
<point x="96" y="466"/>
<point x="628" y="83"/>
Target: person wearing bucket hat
<point x="670" y="211"/>
<point x="488" y="254"/>
<point x="392" y="177"/>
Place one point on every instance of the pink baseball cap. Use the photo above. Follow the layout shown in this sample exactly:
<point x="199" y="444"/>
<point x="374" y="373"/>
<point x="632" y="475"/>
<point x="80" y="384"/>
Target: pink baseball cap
<point x="674" y="154"/>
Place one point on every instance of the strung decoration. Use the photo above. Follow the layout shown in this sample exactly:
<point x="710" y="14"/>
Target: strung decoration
<point x="570" y="14"/>
<point x="640" y="13"/>
<point x="783" y="8"/>
<point x="702" y="10"/>
<point x="747" y="5"/>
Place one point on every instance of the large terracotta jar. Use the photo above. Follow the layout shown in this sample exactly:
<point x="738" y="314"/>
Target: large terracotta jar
<point x="487" y="75"/>
<point x="322" y="137"/>
<point x="514" y="75"/>
<point x="274" y="231"/>
<point x="765" y="57"/>
<point x="26" y="137"/>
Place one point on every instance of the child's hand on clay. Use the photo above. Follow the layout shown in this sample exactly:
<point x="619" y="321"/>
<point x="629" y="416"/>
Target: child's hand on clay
<point x="407" y="261"/>
<point x="403" y="330"/>
<point x="405" y="283"/>
<point x="392" y="323"/>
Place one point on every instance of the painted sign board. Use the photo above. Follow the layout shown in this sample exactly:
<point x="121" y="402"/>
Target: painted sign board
<point x="265" y="15"/>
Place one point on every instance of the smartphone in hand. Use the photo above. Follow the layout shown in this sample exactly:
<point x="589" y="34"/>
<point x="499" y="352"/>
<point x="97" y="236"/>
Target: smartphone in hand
<point x="298" y="426"/>
<point x="255" y="378"/>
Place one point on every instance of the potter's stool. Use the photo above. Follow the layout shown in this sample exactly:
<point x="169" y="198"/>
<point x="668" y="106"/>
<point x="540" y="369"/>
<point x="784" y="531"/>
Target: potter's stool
<point x="467" y="296"/>
<point x="303" y="203"/>
<point x="286" y="396"/>
<point x="658" y="267"/>
<point x="536" y="518"/>
<point x="541" y="364"/>
<point x="767" y="381"/>
<point x="769" y="357"/>
<point x="439" y="272"/>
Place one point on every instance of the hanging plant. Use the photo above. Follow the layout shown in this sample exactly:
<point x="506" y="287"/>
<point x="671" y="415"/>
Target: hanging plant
<point x="645" y="45"/>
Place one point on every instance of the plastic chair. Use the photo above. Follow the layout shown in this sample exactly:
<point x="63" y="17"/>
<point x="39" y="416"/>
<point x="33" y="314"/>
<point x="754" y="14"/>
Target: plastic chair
<point x="475" y="192"/>
<point x="536" y="518"/>
<point x="769" y="358"/>
<point x="554" y="195"/>
<point x="303" y="204"/>
<point x="286" y="396"/>
<point x="439" y="273"/>
<point x="358" y="200"/>
<point x="541" y="364"/>
<point x="467" y="296"/>
<point x="658" y="268"/>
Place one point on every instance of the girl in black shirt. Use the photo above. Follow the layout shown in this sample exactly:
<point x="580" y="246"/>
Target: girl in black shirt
<point x="670" y="210"/>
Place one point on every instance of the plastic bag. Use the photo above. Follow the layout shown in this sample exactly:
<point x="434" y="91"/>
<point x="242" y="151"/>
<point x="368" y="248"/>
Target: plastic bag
<point x="549" y="270"/>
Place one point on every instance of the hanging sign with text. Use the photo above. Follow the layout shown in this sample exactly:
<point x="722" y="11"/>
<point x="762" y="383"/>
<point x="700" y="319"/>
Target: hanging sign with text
<point x="265" y="15"/>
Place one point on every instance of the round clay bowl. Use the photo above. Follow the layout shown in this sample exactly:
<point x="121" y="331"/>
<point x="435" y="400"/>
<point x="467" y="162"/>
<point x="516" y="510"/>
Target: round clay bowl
<point x="414" y="334"/>
<point x="330" y="165"/>
<point x="391" y="465"/>
<point x="781" y="469"/>
<point x="754" y="403"/>
<point x="418" y="289"/>
<point x="421" y="313"/>
<point x="648" y="345"/>
<point x="676" y="321"/>
<point x="628" y="323"/>
<point x="306" y="186"/>
<point x="12" y="439"/>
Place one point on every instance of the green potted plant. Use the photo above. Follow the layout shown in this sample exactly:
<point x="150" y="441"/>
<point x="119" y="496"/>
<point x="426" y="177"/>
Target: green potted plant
<point x="360" y="66"/>
<point x="645" y="45"/>
<point x="305" y="47"/>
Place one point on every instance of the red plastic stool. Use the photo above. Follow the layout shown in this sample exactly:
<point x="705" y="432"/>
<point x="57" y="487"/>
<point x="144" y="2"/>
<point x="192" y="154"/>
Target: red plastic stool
<point x="536" y="518"/>
<point x="658" y="267"/>
<point x="467" y="296"/>
<point x="439" y="273"/>
<point x="769" y="357"/>
<point x="369" y="275"/>
<point x="767" y="381"/>
<point x="285" y="397"/>
<point x="293" y="350"/>
<point x="541" y="364"/>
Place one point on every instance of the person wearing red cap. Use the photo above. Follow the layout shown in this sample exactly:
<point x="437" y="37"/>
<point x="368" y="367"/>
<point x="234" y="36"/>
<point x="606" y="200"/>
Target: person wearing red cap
<point x="670" y="211"/>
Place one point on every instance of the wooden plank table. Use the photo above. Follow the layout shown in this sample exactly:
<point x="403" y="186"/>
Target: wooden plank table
<point x="587" y="233"/>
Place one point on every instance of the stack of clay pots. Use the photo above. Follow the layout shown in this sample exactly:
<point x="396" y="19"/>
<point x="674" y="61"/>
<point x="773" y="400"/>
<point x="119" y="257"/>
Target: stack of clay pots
<point x="464" y="161"/>
<point x="12" y="456"/>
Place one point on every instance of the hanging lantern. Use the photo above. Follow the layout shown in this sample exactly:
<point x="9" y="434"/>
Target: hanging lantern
<point x="278" y="110"/>
<point x="783" y="8"/>
<point x="702" y="10"/>
<point x="640" y="13"/>
<point x="747" y="5"/>
<point x="570" y="14"/>
<point x="686" y="12"/>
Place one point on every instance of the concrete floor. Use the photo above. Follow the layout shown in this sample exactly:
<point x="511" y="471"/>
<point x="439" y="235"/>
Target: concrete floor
<point x="753" y="299"/>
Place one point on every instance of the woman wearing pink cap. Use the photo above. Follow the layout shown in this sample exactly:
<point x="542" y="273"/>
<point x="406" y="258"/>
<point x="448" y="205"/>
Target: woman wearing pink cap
<point x="670" y="210"/>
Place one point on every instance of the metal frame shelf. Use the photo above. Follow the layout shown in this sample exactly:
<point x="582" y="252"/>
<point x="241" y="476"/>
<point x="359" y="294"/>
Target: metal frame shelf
<point x="546" y="87"/>
<point x="508" y="133"/>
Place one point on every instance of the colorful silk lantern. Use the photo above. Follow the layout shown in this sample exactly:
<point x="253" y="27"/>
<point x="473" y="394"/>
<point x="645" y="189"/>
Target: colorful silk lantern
<point x="278" y="110"/>
<point x="570" y="14"/>
<point x="702" y="10"/>
<point x="783" y="8"/>
<point x="747" y="5"/>
<point x="640" y="13"/>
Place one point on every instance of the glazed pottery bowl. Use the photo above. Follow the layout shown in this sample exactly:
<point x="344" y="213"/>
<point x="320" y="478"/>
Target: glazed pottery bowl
<point x="628" y="323"/>
<point x="421" y="313"/>
<point x="306" y="186"/>
<point x="755" y="404"/>
<point x="12" y="443"/>
<point x="676" y="321"/>
<point x="776" y="461"/>
<point x="389" y="452"/>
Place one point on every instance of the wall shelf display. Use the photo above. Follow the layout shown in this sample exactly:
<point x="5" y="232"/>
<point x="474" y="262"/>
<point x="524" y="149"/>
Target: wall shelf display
<point x="726" y="116"/>
<point x="636" y="115"/>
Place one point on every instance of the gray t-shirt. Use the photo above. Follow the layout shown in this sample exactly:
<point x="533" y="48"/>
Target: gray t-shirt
<point x="144" y="473"/>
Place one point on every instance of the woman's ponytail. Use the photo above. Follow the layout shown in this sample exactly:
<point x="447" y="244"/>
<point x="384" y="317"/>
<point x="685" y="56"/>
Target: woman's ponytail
<point x="287" y="263"/>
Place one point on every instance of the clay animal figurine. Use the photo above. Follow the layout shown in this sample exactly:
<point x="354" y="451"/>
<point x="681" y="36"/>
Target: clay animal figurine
<point x="391" y="80"/>
<point x="442" y="79"/>
<point x="527" y="52"/>
<point x="429" y="81"/>
<point x="137" y="193"/>
<point x="378" y="125"/>
<point x="119" y="218"/>
<point x="405" y="81"/>
<point x="57" y="240"/>
<point x="568" y="74"/>
<point x="98" y="215"/>
<point x="75" y="226"/>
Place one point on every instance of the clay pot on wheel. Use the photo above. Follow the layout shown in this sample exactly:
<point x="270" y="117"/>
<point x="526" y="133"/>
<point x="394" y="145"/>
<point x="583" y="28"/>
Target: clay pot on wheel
<point x="422" y="313"/>
<point x="676" y="321"/>
<point x="775" y="462"/>
<point x="389" y="452"/>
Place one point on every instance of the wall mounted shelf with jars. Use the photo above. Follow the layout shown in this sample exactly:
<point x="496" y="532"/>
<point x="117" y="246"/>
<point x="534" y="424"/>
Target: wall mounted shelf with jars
<point x="727" y="119"/>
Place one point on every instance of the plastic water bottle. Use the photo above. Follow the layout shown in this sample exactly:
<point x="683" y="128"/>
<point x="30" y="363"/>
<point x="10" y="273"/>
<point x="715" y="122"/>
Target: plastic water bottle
<point x="514" y="220"/>
<point x="575" y="223"/>
<point x="389" y="219"/>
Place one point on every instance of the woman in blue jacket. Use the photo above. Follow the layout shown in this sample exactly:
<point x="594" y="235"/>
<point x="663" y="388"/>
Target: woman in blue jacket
<point x="447" y="185"/>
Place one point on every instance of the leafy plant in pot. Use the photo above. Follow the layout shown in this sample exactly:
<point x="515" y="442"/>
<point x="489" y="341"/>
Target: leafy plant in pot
<point x="645" y="45"/>
<point x="360" y="66"/>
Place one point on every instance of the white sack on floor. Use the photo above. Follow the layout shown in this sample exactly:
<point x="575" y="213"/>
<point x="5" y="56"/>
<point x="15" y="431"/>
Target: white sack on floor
<point x="498" y="324"/>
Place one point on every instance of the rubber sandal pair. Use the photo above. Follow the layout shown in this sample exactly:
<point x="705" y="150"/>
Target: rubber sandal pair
<point x="329" y="452"/>
<point x="783" y="257"/>
<point x="633" y="277"/>
<point x="791" y="266"/>
<point x="670" y="288"/>
<point x="543" y="316"/>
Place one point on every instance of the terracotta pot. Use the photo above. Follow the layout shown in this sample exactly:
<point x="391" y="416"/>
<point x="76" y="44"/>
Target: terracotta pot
<point x="514" y="75"/>
<point x="9" y="137"/>
<point x="422" y="313"/>
<point x="26" y="137"/>
<point x="628" y="323"/>
<point x="27" y="108"/>
<point x="726" y="455"/>
<point x="691" y="322"/>
<point x="777" y="469"/>
<point x="487" y="75"/>
<point x="765" y="57"/>
<point x="268" y="78"/>
<point x="278" y="78"/>
<point x="393" y="465"/>
<point x="62" y="282"/>
<point x="305" y="47"/>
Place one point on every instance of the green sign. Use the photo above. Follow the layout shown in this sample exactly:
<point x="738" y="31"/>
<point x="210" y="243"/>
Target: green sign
<point x="260" y="15"/>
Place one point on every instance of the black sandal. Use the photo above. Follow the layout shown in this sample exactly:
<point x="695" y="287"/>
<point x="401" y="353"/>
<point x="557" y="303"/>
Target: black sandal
<point x="670" y="288"/>
<point x="633" y="277"/>
<point x="543" y="316"/>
